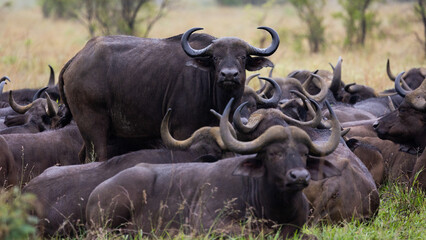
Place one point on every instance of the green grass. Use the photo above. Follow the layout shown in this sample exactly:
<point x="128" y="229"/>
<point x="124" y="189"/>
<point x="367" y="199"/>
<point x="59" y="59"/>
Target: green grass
<point x="402" y="215"/>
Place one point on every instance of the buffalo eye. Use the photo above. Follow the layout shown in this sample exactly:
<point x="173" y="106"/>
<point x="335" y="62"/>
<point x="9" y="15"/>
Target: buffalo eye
<point x="215" y="59"/>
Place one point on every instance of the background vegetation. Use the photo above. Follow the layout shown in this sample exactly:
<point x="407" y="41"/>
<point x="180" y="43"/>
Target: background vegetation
<point x="33" y="37"/>
<point x="30" y="42"/>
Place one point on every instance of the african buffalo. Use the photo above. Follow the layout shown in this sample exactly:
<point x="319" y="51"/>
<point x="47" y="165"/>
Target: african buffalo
<point x="407" y="125"/>
<point x="418" y="178"/>
<point x="37" y="116"/>
<point x="331" y="199"/>
<point x="218" y="195"/>
<point x="31" y="154"/>
<point x="26" y="95"/>
<point x="121" y="86"/>
<point x="413" y="78"/>
<point x="383" y="159"/>
<point x="73" y="184"/>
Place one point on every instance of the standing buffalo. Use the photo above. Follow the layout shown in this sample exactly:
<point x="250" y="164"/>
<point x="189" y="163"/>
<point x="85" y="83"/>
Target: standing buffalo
<point x="120" y="87"/>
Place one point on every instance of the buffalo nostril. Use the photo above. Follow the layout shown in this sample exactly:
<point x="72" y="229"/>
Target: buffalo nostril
<point x="298" y="175"/>
<point x="229" y="73"/>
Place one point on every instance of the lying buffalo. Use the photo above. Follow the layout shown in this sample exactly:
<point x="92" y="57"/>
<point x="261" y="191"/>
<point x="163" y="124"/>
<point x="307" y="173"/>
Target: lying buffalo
<point x="121" y="86"/>
<point x="73" y="184"/>
<point x="407" y="125"/>
<point x="217" y="196"/>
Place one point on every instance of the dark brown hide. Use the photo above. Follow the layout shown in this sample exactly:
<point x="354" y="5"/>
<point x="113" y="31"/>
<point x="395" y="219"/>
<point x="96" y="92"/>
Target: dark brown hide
<point x="121" y="86"/>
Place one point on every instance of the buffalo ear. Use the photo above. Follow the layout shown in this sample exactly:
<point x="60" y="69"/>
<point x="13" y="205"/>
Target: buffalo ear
<point x="320" y="168"/>
<point x="251" y="167"/>
<point x="200" y="63"/>
<point x="257" y="63"/>
<point x="352" y="144"/>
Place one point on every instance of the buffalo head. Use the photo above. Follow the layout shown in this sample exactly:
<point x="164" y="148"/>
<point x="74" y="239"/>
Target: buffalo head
<point x="407" y="124"/>
<point x="227" y="59"/>
<point x="39" y="115"/>
<point x="282" y="154"/>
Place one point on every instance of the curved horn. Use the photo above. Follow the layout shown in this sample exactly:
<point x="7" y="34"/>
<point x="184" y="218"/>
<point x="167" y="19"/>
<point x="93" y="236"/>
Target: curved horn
<point x="38" y="93"/>
<point x="52" y="106"/>
<point x="273" y="101"/>
<point x="398" y="87"/>
<point x="277" y="133"/>
<point x="269" y="50"/>
<point x="270" y="72"/>
<point x="2" y="86"/>
<point x="333" y="141"/>
<point x="51" y="78"/>
<point x="188" y="49"/>
<point x="240" y="126"/>
<point x="389" y="72"/>
<point x="390" y="104"/>
<point x="249" y="78"/>
<point x="337" y="76"/>
<point x="4" y="78"/>
<point x="318" y="97"/>
<point x="16" y="107"/>
<point x="315" y="121"/>
<point x="332" y="67"/>
<point x="171" y="142"/>
<point x="353" y="88"/>
<point x="294" y="73"/>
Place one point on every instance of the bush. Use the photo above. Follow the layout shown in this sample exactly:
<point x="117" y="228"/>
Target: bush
<point x="15" y="220"/>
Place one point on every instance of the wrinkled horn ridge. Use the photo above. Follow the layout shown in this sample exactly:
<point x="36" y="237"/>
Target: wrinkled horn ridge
<point x="188" y="49"/>
<point x="269" y="50"/>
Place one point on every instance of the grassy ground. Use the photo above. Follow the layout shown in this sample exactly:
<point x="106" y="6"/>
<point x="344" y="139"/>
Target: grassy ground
<point x="402" y="215"/>
<point x="29" y="43"/>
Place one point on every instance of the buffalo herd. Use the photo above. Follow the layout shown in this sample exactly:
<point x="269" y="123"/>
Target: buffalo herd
<point x="166" y="136"/>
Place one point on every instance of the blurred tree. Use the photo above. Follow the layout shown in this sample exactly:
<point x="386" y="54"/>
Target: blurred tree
<point x="420" y="11"/>
<point x="358" y="21"/>
<point x="240" y="2"/>
<point x="309" y="12"/>
<point x="109" y="16"/>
